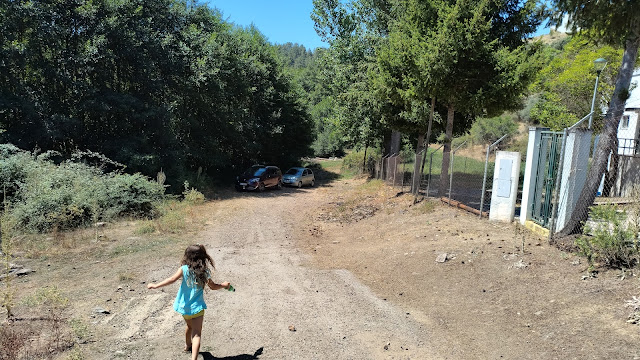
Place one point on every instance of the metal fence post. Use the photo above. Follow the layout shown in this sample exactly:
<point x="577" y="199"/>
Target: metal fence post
<point x="486" y="165"/>
<point x="430" y="167"/>
<point x="453" y="154"/>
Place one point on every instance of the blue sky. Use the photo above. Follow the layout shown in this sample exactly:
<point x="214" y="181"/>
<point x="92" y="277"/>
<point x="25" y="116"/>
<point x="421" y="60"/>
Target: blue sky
<point x="281" y="21"/>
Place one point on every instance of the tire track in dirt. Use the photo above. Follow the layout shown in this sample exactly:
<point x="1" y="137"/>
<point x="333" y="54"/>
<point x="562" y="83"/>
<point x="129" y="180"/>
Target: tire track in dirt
<point x="288" y="310"/>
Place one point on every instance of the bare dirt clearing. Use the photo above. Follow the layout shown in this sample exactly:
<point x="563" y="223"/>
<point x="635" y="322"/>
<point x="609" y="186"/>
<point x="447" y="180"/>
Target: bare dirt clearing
<point x="352" y="267"/>
<point x="489" y="300"/>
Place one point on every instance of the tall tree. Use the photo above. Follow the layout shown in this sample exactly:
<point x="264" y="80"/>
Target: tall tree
<point x="616" y="22"/>
<point x="354" y="30"/>
<point x="469" y="55"/>
<point x="151" y="84"/>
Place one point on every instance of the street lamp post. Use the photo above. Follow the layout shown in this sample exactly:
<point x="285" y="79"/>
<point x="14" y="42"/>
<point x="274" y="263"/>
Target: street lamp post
<point x="600" y="65"/>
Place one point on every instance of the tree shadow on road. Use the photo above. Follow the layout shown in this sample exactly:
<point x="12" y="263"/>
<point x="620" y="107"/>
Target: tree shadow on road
<point x="208" y="356"/>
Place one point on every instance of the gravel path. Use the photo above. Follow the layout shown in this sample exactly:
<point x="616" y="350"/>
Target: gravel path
<point x="334" y="316"/>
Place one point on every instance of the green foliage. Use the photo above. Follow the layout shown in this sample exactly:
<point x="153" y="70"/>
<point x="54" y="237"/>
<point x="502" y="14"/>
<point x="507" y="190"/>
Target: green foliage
<point x="353" y="29"/>
<point x="164" y="84"/>
<point x="610" y="21"/>
<point x="612" y="241"/>
<point x="191" y="195"/>
<point x="45" y="196"/>
<point x="488" y="130"/>
<point x="565" y="85"/>
<point x="355" y="160"/>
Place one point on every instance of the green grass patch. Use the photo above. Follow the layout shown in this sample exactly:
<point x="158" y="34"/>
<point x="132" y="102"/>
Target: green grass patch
<point x="461" y="164"/>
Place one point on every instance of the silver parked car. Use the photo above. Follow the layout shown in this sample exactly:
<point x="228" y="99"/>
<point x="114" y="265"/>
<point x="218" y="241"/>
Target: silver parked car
<point x="298" y="176"/>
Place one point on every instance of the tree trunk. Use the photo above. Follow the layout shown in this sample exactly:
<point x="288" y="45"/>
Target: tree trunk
<point x="396" y="136"/>
<point x="364" y="160"/>
<point x="416" y="166"/>
<point x="446" y="152"/>
<point x="608" y="139"/>
<point x="428" y="139"/>
<point x="612" y="174"/>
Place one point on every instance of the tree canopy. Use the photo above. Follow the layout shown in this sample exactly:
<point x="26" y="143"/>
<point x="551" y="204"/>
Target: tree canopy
<point x="164" y="84"/>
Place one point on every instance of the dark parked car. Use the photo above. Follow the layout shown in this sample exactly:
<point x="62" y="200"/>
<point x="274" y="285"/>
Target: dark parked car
<point x="259" y="177"/>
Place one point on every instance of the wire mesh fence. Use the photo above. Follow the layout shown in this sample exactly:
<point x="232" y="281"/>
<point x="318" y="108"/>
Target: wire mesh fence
<point x="562" y="171"/>
<point x="558" y="166"/>
<point x="393" y="169"/>
<point x="468" y="180"/>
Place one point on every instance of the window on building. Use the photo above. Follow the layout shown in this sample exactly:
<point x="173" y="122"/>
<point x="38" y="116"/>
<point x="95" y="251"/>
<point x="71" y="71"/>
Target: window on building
<point x="625" y="121"/>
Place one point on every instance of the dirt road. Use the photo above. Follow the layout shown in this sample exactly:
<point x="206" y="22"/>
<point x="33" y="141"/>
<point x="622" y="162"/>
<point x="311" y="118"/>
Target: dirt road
<point x="350" y="266"/>
<point x="333" y="314"/>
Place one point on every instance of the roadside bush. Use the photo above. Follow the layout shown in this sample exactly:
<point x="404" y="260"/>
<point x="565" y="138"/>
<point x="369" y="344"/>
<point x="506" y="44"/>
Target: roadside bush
<point x="488" y="130"/>
<point x="353" y="161"/>
<point x="45" y="196"/>
<point x="192" y="195"/>
<point x="613" y="241"/>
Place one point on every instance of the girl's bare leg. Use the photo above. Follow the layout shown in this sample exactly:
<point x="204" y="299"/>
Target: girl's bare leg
<point x="187" y="336"/>
<point x="196" y="330"/>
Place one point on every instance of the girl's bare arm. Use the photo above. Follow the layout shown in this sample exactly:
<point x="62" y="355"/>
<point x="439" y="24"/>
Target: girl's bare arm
<point x="214" y="286"/>
<point x="167" y="281"/>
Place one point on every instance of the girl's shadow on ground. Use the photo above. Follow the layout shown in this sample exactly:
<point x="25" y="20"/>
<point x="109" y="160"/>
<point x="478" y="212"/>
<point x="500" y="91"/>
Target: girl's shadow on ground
<point x="208" y="356"/>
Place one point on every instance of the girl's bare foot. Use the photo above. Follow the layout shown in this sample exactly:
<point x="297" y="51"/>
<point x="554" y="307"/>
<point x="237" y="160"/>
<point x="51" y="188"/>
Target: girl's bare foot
<point x="187" y="348"/>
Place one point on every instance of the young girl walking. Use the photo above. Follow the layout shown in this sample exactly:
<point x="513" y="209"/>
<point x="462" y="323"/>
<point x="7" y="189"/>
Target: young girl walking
<point x="189" y="302"/>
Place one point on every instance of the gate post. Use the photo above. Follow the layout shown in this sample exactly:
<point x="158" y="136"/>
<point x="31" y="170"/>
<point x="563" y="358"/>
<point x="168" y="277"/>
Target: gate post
<point x="528" y="185"/>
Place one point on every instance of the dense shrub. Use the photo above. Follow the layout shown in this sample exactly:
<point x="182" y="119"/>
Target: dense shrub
<point x="43" y="196"/>
<point x="353" y="161"/>
<point x="488" y="130"/>
<point x="613" y="238"/>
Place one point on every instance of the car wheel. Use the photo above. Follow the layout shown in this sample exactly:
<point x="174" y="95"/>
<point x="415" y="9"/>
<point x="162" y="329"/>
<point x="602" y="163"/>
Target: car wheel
<point x="261" y="187"/>
<point x="279" y="185"/>
<point x="313" y="182"/>
<point x="299" y="184"/>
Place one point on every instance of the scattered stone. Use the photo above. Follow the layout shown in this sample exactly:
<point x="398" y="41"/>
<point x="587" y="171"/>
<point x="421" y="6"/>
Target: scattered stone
<point x="99" y="310"/>
<point x="100" y="224"/>
<point x="23" y="272"/>
<point x="520" y="265"/>
<point x="336" y="242"/>
<point x="292" y="328"/>
<point x="442" y="258"/>
<point x="575" y="262"/>
<point x="386" y="347"/>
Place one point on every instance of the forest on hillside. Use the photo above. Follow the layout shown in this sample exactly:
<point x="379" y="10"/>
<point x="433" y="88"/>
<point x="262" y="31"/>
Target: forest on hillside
<point x="169" y="89"/>
<point x="171" y="86"/>
<point x="163" y="85"/>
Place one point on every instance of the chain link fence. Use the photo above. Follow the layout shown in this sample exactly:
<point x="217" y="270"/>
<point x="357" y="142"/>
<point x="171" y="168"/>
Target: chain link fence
<point x="467" y="183"/>
<point x="394" y="169"/>
<point x="561" y="171"/>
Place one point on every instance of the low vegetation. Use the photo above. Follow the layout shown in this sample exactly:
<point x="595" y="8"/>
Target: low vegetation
<point x="612" y="237"/>
<point x="42" y="196"/>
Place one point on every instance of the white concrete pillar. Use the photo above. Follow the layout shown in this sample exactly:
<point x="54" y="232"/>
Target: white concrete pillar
<point x="505" y="186"/>
<point x="529" y="182"/>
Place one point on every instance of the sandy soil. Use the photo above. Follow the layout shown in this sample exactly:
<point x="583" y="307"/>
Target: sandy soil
<point x="351" y="267"/>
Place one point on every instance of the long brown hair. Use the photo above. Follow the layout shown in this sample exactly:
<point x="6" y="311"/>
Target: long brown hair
<point x="196" y="258"/>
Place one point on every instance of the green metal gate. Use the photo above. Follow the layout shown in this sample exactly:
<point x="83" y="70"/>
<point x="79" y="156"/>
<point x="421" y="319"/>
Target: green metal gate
<point x="546" y="171"/>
